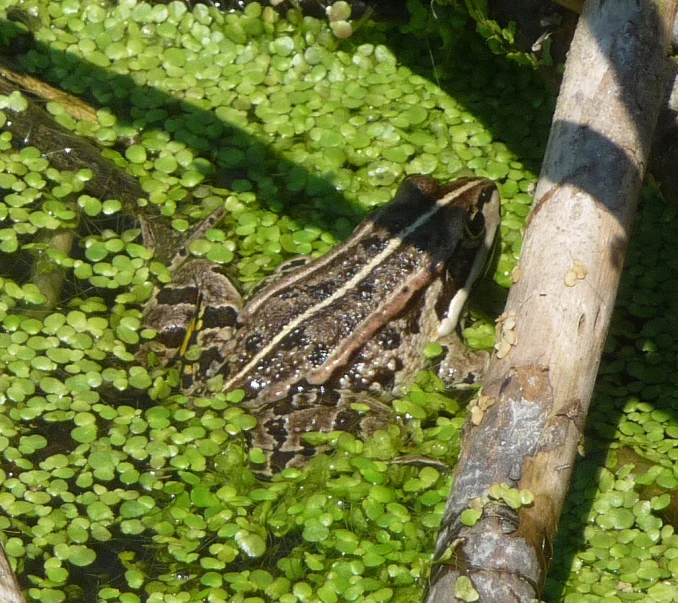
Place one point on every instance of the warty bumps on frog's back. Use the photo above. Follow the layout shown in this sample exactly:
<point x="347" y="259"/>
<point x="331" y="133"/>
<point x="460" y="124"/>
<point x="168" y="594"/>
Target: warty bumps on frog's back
<point x="354" y="321"/>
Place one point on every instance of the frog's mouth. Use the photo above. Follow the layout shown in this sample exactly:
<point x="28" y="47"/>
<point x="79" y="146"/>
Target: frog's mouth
<point x="491" y="217"/>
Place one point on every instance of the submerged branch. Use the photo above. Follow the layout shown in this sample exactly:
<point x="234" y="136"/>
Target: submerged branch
<point x="68" y="151"/>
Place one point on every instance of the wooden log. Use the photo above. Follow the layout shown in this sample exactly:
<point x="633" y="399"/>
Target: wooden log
<point x="536" y="395"/>
<point x="10" y="591"/>
<point x="72" y="105"/>
<point x="664" y="158"/>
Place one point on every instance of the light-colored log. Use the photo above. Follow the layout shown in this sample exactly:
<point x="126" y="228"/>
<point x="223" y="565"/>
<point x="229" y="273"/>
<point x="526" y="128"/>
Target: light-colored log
<point x="550" y="340"/>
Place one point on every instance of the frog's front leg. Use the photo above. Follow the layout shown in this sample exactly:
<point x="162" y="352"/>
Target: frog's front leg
<point x="462" y="366"/>
<point x="199" y="307"/>
<point x="282" y="425"/>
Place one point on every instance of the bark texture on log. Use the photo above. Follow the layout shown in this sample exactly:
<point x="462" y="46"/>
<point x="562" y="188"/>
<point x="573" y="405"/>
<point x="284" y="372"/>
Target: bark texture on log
<point x="550" y="339"/>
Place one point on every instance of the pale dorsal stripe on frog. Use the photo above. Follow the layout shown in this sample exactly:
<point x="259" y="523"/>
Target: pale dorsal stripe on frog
<point x="391" y="259"/>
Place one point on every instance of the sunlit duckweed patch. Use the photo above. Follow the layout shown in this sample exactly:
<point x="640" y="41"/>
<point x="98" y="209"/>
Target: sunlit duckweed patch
<point x="117" y="488"/>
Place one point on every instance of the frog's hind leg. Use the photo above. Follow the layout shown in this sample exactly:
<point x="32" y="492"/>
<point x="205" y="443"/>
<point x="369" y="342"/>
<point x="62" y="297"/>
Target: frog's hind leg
<point x="196" y="312"/>
<point x="219" y="305"/>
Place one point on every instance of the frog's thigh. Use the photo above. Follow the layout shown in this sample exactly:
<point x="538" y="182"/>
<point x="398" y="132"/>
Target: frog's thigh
<point x="199" y="305"/>
<point x="219" y="305"/>
<point x="171" y="313"/>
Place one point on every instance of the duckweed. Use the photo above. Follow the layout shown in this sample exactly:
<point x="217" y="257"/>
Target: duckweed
<point x="117" y="488"/>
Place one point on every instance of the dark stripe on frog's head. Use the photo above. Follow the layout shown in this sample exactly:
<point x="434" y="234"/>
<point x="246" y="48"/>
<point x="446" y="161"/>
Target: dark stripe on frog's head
<point x="418" y="195"/>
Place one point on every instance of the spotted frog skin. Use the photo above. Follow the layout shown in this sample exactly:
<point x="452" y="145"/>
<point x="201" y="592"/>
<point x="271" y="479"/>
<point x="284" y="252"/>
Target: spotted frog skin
<point x="329" y="342"/>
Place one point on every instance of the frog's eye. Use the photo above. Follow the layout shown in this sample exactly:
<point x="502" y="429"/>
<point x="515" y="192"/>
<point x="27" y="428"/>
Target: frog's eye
<point x="475" y="224"/>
